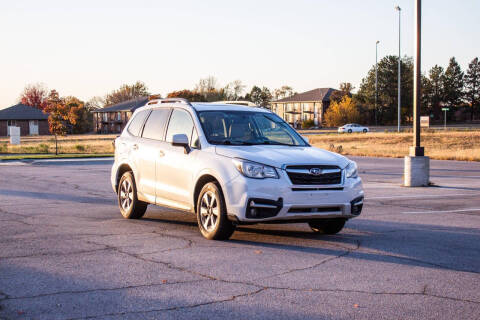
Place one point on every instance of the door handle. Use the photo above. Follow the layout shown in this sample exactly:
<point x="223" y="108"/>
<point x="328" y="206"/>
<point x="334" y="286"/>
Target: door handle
<point x="135" y="147"/>
<point x="161" y="153"/>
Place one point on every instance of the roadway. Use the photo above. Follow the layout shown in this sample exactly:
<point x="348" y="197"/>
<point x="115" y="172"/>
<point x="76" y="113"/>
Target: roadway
<point x="66" y="253"/>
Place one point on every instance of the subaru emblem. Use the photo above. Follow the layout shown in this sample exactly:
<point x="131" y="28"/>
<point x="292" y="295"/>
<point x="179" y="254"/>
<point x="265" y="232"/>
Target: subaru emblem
<point x="316" y="171"/>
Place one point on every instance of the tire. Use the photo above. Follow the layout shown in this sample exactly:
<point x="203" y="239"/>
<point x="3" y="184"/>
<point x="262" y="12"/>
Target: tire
<point x="130" y="206"/>
<point x="327" y="226"/>
<point x="365" y="130"/>
<point x="349" y="130"/>
<point x="212" y="213"/>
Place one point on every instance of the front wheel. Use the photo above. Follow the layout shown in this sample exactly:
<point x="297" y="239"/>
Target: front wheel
<point x="130" y="206"/>
<point x="364" y="130"/>
<point x="327" y="226"/>
<point x="212" y="213"/>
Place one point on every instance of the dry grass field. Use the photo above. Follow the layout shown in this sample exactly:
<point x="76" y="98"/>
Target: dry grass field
<point x="449" y="145"/>
<point x="72" y="144"/>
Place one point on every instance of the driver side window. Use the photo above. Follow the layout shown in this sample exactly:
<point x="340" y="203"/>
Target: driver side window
<point x="180" y="123"/>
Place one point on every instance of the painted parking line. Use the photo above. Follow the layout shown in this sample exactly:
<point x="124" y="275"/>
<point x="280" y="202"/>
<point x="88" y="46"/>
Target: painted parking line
<point x="443" y="211"/>
<point x="424" y="196"/>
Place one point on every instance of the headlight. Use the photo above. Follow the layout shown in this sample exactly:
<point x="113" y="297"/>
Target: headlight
<point x="255" y="170"/>
<point x="351" y="171"/>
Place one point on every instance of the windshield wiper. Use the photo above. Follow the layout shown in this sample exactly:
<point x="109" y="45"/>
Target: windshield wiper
<point x="276" y="143"/>
<point x="232" y="143"/>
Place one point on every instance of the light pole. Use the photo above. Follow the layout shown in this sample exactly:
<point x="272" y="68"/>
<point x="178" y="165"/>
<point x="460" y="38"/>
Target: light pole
<point x="376" y="79"/>
<point x="399" y="69"/>
<point x="417" y="166"/>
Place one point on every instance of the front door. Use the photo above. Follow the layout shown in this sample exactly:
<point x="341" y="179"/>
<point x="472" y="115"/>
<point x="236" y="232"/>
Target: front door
<point x="33" y="126"/>
<point x="174" y="168"/>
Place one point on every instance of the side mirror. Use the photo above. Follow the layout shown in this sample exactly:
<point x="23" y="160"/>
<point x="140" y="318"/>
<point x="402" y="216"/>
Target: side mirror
<point x="181" y="140"/>
<point x="306" y="139"/>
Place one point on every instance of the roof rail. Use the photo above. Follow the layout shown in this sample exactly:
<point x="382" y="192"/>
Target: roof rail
<point x="173" y="100"/>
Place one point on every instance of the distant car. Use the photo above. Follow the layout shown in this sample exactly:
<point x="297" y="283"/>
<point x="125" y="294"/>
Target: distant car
<point x="352" y="127"/>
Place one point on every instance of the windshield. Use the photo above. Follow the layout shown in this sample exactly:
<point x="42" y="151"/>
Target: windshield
<point x="247" y="128"/>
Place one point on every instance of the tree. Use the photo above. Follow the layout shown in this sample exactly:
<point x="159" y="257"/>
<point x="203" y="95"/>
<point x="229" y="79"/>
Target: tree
<point x="283" y="92"/>
<point x="260" y="97"/>
<point x="83" y="117"/>
<point x="127" y="92"/>
<point x="453" y="84"/>
<point x="187" y="94"/>
<point x="234" y="90"/>
<point x="95" y="103"/>
<point x="34" y="95"/>
<point x="58" y="115"/>
<point x="346" y="89"/>
<point x="472" y="87"/>
<point x="433" y="91"/>
<point x="340" y="113"/>
<point x="386" y="111"/>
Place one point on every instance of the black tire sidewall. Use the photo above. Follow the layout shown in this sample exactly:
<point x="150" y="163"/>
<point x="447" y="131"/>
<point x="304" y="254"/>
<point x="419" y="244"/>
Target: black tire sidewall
<point x="219" y="232"/>
<point x="133" y="212"/>
<point x="349" y="130"/>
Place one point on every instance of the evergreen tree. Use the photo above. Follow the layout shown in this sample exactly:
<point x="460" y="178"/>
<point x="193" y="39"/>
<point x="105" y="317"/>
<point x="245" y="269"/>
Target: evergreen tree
<point x="433" y="91"/>
<point x="472" y="87"/>
<point x="453" y="84"/>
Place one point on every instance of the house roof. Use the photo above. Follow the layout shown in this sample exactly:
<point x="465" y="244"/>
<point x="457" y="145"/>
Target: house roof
<point x="129" y="105"/>
<point x="319" y="94"/>
<point x="22" y="112"/>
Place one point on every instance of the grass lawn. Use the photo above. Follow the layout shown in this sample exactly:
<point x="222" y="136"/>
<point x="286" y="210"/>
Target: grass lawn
<point x="443" y="145"/>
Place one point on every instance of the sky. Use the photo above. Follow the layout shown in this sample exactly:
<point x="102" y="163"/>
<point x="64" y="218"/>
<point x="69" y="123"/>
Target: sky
<point x="89" y="48"/>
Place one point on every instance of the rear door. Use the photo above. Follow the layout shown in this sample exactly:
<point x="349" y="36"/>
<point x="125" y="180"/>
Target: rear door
<point x="150" y="151"/>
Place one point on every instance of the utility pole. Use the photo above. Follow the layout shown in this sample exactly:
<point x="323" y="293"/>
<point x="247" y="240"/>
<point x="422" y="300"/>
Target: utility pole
<point x="417" y="166"/>
<point x="376" y="80"/>
<point x="399" y="70"/>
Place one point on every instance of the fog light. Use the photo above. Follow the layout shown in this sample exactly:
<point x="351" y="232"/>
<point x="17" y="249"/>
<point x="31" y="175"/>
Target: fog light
<point x="253" y="212"/>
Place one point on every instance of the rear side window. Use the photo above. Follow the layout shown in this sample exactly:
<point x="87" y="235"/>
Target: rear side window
<point x="155" y="124"/>
<point x="136" y="123"/>
<point x="180" y="122"/>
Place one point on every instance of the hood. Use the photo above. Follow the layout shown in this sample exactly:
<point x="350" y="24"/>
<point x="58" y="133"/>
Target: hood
<point x="277" y="156"/>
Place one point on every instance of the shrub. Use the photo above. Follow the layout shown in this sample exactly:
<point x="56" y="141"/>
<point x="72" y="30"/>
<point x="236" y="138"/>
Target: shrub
<point x="307" y="124"/>
<point x="3" y="148"/>
<point x="80" y="147"/>
<point x="42" y="148"/>
<point x="339" y="113"/>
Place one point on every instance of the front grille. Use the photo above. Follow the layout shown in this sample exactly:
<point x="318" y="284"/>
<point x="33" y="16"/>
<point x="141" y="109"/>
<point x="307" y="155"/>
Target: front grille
<point x="303" y="175"/>
<point x="314" y="210"/>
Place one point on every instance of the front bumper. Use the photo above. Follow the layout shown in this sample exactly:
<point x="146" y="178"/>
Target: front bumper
<point x="294" y="202"/>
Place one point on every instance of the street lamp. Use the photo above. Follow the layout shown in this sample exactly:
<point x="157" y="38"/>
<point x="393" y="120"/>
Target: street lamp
<point x="376" y="79"/>
<point x="399" y="69"/>
<point x="417" y="166"/>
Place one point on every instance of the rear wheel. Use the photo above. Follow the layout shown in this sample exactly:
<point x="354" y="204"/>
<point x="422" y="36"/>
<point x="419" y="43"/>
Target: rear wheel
<point x="327" y="226"/>
<point x="130" y="206"/>
<point x="212" y="213"/>
<point x="349" y="130"/>
<point x="364" y="130"/>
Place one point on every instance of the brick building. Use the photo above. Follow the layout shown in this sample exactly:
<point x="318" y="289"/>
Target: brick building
<point x="112" y="119"/>
<point x="31" y="121"/>
<point x="310" y="105"/>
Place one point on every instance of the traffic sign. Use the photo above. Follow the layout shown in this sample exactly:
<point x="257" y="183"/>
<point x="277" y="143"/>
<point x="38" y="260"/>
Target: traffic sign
<point x="445" y="109"/>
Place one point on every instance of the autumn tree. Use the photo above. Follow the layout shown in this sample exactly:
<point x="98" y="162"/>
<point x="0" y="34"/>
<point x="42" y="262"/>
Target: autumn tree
<point x="340" y="113"/>
<point x="187" y="94"/>
<point x="127" y="92"/>
<point x="472" y="87"/>
<point x="346" y="89"/>
<point x="83" y="117"/>
<point x="34" y="95"/>
<point x="59" y="114"/>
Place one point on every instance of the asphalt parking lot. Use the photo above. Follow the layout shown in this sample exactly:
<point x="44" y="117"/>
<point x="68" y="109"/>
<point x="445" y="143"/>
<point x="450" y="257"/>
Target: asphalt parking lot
<point x="66" y="253"/>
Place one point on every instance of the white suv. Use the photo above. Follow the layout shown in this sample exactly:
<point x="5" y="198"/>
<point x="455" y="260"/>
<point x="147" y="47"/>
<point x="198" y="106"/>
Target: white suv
<point x="230" y="165"/>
